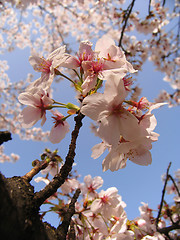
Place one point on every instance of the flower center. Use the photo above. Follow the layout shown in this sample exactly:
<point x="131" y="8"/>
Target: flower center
<point x="58" y="120"/>
<point x="116" y="109"/>
<point x="104" y="199"/>
<point x="44" y="65"/>
<point x="97" y="66"/>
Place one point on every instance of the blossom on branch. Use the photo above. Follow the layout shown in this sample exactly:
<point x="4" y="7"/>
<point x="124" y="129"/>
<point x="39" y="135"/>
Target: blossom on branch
<point x="127" y="133"/>
<point x="114" y="57"/>
<point x="37" y="103"/>
<point x="60" y="128"/>
<point x="108" y="110"/>
<point x="47" y="68"/>
<point x="85" y="54"/>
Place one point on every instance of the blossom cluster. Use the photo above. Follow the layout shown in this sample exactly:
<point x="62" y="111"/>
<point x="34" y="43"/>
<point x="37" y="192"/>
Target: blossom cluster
<point x="125" y="126"/>
<point x="46" y="32"/>
<point x="53" y="23"/>
<point x="10" y="109"/>
<point x="101" y="214"/>
<point x="124" y="123"/>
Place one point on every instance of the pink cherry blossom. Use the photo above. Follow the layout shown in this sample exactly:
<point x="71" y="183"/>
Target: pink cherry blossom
<point x="47" y="67"/>
<point x="98" y="224"/>
<point x="52" y="168"/>
<point x="37" y="105"/>
<point x="60" y="128"/>
<point x="92" y="71"/>
<point x="85" y="54"/>
<point x="112" y="54"/>
<point x="157" y="236"/>
<point x="90" y="185"/>
<point x="106" y="201"/>
<point x="136" y="151"/>
<point x="39" y="179"/>
<point x="69" y="185"/>
<point x="107" y="109"/>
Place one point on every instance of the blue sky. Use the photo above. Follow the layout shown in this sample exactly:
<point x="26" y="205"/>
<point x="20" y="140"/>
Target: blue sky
<point x="135" y="183"/>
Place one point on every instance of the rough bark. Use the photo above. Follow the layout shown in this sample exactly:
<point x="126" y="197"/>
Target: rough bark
<point x="19" y="204"/>
<point x="19" y="214"/>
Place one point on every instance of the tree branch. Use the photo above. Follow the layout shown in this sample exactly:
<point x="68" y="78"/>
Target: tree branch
<point x="5" y="136"/>
<point x="40" y="165"/>
<point x="63" y="228"/>
<point x="175" y="225"/>
<point x="71" y="233"/>
<point x="166" y="230"/>
<point x="162" y="198"/>
<point x="60" y="178"/>
<point x="128" y="12"/>
<point x="175" y="185"/>
<point x="164" y="1"/>
<point x="47" y="157"/>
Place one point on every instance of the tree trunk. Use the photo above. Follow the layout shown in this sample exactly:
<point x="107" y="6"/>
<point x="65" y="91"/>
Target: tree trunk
<point x="19" y="215"/>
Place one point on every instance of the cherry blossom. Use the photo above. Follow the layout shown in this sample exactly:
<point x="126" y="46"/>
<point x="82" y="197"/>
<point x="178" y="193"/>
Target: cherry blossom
<point x="60" y="128"/>
<point x="137" y="149"/>
<point x="90" y="185"/>
<point x="39" y="179"/>
<point x="85" y="54"/>
<point x="69" y="185"/>
<point x="52" y="168"/>
<point x="112" y="54"/>
<point x="47" y="68"/>
<point x="124" y="123"/>
<point x="105" y="202"/>
<point x="37" y="106"/>
<point x="108" y="58"/>
<point x="107" y="109"/>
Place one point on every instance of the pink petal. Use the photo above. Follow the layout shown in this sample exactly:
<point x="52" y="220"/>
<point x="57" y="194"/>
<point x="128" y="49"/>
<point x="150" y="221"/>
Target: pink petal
<point x="29" y="116"/>
<point x="59" y="132"/>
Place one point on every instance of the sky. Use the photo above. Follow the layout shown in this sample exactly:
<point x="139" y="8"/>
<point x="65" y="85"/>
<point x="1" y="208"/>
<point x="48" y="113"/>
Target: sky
<point x="135" y="183"/>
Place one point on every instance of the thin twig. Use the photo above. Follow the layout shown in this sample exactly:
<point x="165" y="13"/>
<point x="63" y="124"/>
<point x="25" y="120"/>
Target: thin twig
<point x="40" y="165"/>
<point x="175" y="185"/>
<point x="60" y="178"/>
<point x="162" y="198"/>
<point x="174" y="225"/>
<point x="149" y="7"/>
<point x="164" y="1"/>
<point x="63" y="228"/>
<point x="128" y="12"/>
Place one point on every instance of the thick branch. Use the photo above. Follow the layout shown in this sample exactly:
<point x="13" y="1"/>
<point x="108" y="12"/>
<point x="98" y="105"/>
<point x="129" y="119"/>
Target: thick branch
<point x="166" y="230"/>
<point x="60" y="178"/>
<point x="5" y="136"/>
<point x="19" y="216"/>
<point x="71" y="233"/>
